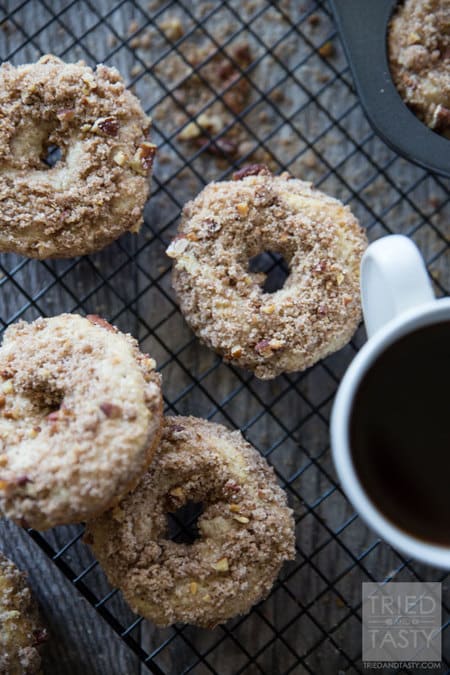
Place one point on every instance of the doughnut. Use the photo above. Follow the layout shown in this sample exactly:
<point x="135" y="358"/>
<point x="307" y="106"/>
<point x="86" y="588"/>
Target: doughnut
<point x="246" y="530"/>
<point x="80" y="417"/>
<point x="419" y="55"/>
<point x="21" y="632"/>
<point x="317" y="310"/>
<point x="98" y="189"/>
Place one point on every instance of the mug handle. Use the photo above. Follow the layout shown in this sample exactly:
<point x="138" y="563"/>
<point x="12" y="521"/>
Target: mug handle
<point x="393" y="279"/>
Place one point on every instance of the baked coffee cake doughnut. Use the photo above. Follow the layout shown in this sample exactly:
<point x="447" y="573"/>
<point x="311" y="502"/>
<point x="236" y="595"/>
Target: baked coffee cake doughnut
<point x="246" y="530"/>
<point x="80" y="415"/>
<point x="97" y="190"/>
<point x="317" y="310"/>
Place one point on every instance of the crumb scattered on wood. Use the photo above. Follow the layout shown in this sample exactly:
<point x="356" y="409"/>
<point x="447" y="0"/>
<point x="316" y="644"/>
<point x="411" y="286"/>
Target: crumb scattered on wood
<point x="326" y="50"/>
<point x="172" y="28"/>
<point x="133" y="26"/>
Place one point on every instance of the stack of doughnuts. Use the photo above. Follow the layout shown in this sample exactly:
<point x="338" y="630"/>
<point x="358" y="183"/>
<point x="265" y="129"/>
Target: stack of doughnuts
<point x="82" y="434"/>
<point x="80" y="440"/>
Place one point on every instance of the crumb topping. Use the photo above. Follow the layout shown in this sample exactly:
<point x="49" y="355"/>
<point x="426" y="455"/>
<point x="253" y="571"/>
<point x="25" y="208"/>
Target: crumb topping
<point x="21" y="632"/>
<point x="317" y="310"/>
<point x="80" y="412"/>
<point x="419" y="53"/>
<point x="98" y="188"/>
<point x="246" y="530"/>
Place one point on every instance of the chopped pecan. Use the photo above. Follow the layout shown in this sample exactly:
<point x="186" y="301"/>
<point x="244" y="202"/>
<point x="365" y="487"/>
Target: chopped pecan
<point x="242" y="209"/>
<point x="212" y="225"/>
<point x="120" y="158"/>
<point x="177" y="428"/>
<point x="22" y="480"/>
<point x="177" y="246"/>
<point x="220" y="146"/>
<point x="88" y="538"/>
<point x="314" y="20"/>
<point x="243" y="55"/>
<point x="266" y="347"/>
<point x="106" y="126"/>
<point x="326" y="50"/>
<point x="252" y="170"/>
<point x="66" y="114"/>
<point x="177" y="492"/>
<point x="111" y="410"/>
<point x="39" y="637"/>
<point x="221" y="565"/>
<point x="262" y="347"/>
<point x="9" y="485"/>
<point x="142" y="160"/>
<point x="8" y="387"/>
<point x="94" y="318"/>
<point x="320" y="267"/>
<point x="172" y="28"/>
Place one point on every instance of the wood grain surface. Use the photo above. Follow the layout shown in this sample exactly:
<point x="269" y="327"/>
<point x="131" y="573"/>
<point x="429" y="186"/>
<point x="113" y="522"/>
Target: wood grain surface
<point x="295" y="109"/>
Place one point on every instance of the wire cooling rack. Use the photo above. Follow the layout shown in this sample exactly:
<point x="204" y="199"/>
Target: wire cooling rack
<point x="267" y="82"/>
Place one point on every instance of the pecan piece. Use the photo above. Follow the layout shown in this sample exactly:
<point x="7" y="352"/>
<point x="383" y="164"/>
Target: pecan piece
<point x="221" y="565"/>
<point x="252" y="170"/>
<point x="94" y="318"/>
<point x="106" y="126"/>
<point x="111" y="410"/>
<point x="267" y="347"/>
<point x="232" y="486"/>
<point x="220" y="146"/>
<point x="177" y="428"/>
<point x="65" y="114"/>
<point x="143" y="158"/>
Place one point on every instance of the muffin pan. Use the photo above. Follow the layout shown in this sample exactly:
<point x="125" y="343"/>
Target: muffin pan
<point x="363" y="27"/>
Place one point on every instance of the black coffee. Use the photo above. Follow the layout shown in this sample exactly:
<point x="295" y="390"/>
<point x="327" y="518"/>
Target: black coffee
<point x="400" y="433"/>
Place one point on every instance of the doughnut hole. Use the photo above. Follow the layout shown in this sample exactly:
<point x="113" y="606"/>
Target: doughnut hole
<point x="275" y="268"/>
<point x="52" y="155"/>
<point x="182" y="524"/>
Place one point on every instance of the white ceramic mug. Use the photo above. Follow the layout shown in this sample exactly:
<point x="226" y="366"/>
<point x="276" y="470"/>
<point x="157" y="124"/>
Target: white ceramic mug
<point x="397" y="298"/>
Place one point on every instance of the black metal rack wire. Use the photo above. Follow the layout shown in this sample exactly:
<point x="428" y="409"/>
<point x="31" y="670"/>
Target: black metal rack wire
<point x="284" y="97"/>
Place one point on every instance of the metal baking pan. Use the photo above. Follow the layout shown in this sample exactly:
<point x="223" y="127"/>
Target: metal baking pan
<point x="363" y="27"/>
